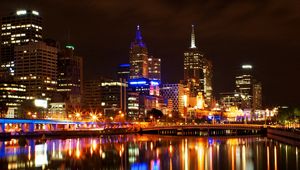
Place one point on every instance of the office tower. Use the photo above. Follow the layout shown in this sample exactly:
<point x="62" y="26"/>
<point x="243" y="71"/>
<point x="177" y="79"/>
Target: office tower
<point x="113" y="97"/>
<point x="91" y="95"/>
<point x="11" y="97"/>
<point x="123" y="72"/>
<point x="36" y="68"/>
<point x="174" y="93"/>
<point x="249" y="88"/>
<point x="257" y="96"/>
<point x="244" y="83"/>
<point x="154" y="69"/>
<point x="18" y="28"/>
<point x="70" y="76"/>
<point x="197" y="71"/>
<point x="138" y="57"/>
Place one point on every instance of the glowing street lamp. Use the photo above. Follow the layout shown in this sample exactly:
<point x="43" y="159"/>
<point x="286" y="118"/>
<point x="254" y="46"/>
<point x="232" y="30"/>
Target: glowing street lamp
<point x="77" y="114"/>
<point x="94" y="117"/>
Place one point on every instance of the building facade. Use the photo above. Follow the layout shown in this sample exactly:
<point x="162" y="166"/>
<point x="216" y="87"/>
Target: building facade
<point x="113" y="97"/>
<point x="11" y="97"/>
<point x="257" y="96"/>
<point x="123" y="72"/>
<point x="154" y="69"/>
<point x="91" y="95"/>
<point x="36" y="68"/>
<point x="18" y="28"/>
<point x="174" y="93"/>
<point x="70" y="76"/>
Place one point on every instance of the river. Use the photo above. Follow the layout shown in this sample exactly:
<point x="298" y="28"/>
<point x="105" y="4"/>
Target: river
<point x="142" y="152"/>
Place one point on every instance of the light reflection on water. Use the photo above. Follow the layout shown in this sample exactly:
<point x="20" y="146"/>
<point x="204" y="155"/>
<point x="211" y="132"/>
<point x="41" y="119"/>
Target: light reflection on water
<point x="150" y="152"/>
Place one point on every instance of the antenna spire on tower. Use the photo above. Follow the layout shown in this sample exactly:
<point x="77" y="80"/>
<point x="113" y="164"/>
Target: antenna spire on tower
<point x="193" y="45"/>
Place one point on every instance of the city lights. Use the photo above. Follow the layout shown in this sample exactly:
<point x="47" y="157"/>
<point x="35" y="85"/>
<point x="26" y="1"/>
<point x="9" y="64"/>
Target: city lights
<point x="21" y="12"/>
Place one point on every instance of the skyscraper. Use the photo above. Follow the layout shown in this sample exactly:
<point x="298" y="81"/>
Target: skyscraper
<point x="18" y="28"/>
<point x="197" y="71"/>
<point x="257" y="96"/>
<point x="154" y="70"/>
<point x="70" y="76"/>
<point x="36" y="68"/>
<point x="113" y="97"/>
<point x="249" y="88"/>
<point x="138" y="57"/>
<point x="123" y="72"/>
<point x="243" y="83"/>
<point x="144" y="81"/>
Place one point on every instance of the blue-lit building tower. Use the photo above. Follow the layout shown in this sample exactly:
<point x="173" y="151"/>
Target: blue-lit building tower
<point x="143" y="92"/>
<point x="138" y="57"/>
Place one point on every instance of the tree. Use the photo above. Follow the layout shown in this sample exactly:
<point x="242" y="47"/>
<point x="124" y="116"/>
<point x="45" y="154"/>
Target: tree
<point x="3" y="109"/>
<point x="156" y="113"/>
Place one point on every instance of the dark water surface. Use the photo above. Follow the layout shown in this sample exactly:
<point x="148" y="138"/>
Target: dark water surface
<point x="153" y="152"/>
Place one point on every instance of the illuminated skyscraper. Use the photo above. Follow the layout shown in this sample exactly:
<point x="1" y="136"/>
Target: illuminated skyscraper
<point x="36" y="68"/>
<point x="154" y="72"/>
<point x="197" y="71"/>
<point x="113" y="97"/>
<point x="257" y="96"/>
<point x="18" y="28"/>
<point x="70" y="76"/>
<point x="138" y="57"/>
<point x="123" y="72"/>
<point x="249" y="89"/>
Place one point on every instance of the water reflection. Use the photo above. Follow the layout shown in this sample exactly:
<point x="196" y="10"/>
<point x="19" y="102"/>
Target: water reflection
<point x="149" y="152"/>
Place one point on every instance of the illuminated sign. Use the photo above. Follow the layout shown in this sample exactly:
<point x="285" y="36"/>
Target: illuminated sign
<point x="124" y="65"/>
<point x="21" y="12"/>
<point x="154" y="83"/>
<point x="137" y="82"/>
<point x="41" y="103"/>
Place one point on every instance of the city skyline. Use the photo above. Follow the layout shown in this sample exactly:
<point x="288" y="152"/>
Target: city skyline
<point x="223" y="47"/>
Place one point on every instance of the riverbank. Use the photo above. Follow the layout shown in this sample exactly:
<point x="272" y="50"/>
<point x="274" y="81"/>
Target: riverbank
<point x="289" y="136"/>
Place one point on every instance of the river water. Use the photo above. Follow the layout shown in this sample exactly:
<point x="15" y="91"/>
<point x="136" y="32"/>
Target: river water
<point x="143" y="152"/>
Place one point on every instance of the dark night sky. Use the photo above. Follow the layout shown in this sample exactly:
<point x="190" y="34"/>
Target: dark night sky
<point x="265" y="33"/>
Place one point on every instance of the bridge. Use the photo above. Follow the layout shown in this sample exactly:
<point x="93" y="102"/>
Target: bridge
<point x="31" y="125"/>
<point x="206" y="129"/>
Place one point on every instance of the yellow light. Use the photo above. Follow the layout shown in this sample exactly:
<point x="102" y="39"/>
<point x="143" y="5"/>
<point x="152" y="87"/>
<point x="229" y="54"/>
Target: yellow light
<point x="185" y="100"/>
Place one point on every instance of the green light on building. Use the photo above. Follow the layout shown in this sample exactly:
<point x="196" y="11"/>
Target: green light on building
<point x="70" y="47"/>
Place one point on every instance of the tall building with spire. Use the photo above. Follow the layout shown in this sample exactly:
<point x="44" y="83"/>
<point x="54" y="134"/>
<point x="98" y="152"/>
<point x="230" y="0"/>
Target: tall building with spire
<point x="138" y="57"/>
<point x="197" y="71"/>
